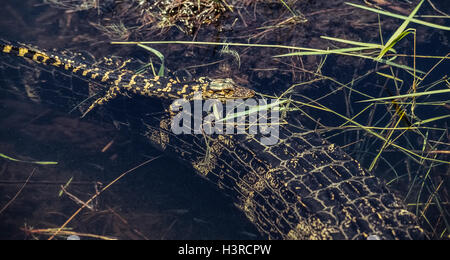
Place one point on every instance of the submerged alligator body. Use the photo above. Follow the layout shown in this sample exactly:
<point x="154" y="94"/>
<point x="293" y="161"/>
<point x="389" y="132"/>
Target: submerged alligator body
<point x="300" y="188"/>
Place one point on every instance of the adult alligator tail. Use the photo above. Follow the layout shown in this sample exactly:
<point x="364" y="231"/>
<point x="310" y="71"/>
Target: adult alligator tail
<point x="300" y="188"/>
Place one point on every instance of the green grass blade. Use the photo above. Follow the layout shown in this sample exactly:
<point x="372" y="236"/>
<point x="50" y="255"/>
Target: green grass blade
<point x="65" y="186"/>
<point x="260" y="46"/>
<point x="390" y="77"/>
<point x="388" y="141"/>
<point x="363" y="44"/>
<point x="344" y="52"/>
<point x="287" y="7"/>
<point x="417" y="94"/>
<point x="431" y="120"/>
<point x="325" y="52"/>
<point x="253" y="110"/>
<point x="220" y="44"/>
<point x="393" y="64"/>
<point x="392" y="41"/>
<point x="17" y="160"/>
<point x="159" y="55"/>
<point x="412" y="20"/>
<point x="400" y="32"/>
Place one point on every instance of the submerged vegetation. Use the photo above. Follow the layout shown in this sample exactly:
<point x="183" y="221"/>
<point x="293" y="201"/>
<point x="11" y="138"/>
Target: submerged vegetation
<point x="382" y="99"/>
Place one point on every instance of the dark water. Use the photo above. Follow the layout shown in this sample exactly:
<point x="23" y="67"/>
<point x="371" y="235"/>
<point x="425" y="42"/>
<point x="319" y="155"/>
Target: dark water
<point x="165" y="200"/>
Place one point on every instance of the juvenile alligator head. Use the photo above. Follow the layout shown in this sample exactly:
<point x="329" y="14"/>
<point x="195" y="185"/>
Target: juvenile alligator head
<point x="225" y="89"/>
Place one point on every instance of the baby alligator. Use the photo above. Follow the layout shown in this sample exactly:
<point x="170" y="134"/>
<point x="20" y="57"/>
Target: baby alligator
<point x="122" y="81"/>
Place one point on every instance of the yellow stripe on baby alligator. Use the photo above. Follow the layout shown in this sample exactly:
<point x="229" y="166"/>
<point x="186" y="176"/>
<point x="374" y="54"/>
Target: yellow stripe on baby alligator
<point x="173" y="81"/>
<point x="202" y="79"/>
<point x="77" y="69"/>
<point x="85" y="72"/>
<point x="183" y="90"/>
<point x="106" y="76"/>
<point x="147" y="85"/>
<point x="7" y="48"/>
<point x="131" y="83"/>
<point x="119" y="79"/>
<point x="170" y="95"/>
<point x="185" y="87"/>
<point x="168" y="87"/>
<point x="23" y="51"/>
<point x="156" y="78"/>
<point x="137" y="90"/>
<point x="124" y="64"/>
<point x="57" y="62"/>
<point x="195" y="88"/>
<point x="68" y="65"/>
<point x="38" y="54"/>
